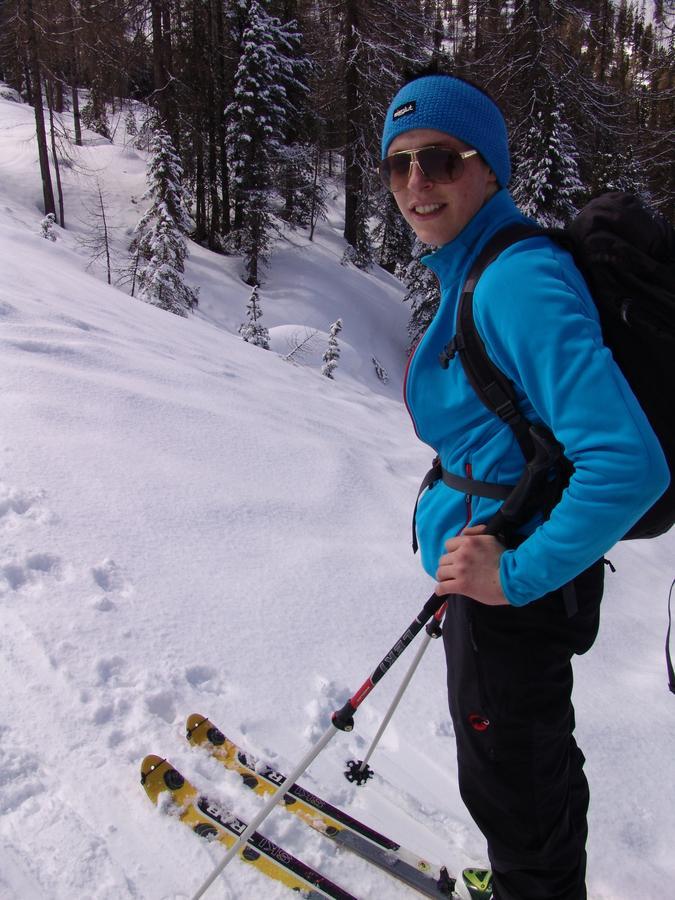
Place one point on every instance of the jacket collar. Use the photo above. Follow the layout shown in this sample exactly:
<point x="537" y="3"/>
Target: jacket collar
<point x="450" y="260"/>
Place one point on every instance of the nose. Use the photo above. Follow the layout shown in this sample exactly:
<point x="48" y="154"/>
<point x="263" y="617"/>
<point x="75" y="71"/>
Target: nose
<point x="416" y="176"/>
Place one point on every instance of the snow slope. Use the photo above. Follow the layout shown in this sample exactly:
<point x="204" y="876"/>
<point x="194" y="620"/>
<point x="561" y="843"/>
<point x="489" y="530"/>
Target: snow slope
<point x="191" y="524"/>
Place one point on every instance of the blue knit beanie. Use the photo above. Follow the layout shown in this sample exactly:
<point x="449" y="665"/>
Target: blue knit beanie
<point x="448" y="104"/>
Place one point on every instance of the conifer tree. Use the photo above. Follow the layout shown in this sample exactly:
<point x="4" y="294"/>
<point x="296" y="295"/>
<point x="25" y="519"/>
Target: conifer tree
<point x="94" y="114"/>
<point x="618" y="172"/>
<point x="256" y="121"/>
<point x="47" y="227"/>
<point x="546" y="181"/>
<point x="421" y="292"/>
<point x="252" y="331"/>
<point x="332" y="354"/>
<point x="380" y="370"/>
<point x="392" y="234"/>
<point x="159" y="241"/>
<point x="130" y="124"/>
<point x="360" y="252"/>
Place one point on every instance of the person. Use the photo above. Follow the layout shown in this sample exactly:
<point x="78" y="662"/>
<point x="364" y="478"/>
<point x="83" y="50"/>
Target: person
<point x="510" y="631"/>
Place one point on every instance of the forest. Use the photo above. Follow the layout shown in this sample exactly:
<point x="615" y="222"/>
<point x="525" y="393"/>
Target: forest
<point x="262" y="105"/>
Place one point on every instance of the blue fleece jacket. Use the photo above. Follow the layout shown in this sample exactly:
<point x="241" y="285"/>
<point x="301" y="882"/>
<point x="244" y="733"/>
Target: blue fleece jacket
<point x="539" y="324"/>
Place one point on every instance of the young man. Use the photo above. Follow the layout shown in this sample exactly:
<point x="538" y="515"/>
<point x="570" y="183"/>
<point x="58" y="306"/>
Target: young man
<point x="510" y="629"/>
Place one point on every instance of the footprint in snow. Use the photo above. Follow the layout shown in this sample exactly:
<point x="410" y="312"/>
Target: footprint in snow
<point x="161" y="704"/>
<point x="19" y="779"/>
<point x="17" y="506"/>
<point x="205" y="678"/>
<point x="110" y="670"/>
<point x="110" y="577"/>
<point x="32" y="569"/>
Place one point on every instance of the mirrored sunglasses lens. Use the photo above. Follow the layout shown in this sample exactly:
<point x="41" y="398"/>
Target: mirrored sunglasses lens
<point x="394" y="170"/>
<point x="440" y="164"/>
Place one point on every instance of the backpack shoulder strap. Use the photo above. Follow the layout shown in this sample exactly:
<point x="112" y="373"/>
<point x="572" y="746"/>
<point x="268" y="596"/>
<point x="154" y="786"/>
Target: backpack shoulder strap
<point x="492" y="387"/>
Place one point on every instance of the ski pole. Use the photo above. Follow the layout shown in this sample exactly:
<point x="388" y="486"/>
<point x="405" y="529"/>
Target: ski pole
<point x="358" y="770"/>
<point x="341" y="720"/>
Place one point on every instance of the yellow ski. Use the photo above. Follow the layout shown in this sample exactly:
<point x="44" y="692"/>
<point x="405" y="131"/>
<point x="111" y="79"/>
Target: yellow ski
<point x="211" y="821"/>
<point x="427" y="878"/>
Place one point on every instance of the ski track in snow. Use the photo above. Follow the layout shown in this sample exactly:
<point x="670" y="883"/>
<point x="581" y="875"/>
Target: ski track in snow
<point x="190" y="524"/>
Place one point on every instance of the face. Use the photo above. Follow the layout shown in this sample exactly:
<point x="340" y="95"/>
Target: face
<point x="438" y="212"/>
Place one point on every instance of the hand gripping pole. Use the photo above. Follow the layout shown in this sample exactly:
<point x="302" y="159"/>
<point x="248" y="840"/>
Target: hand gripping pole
<point x="342" y="720"/>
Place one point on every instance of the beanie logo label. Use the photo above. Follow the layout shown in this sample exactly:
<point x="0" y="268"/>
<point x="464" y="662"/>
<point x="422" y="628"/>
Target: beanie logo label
<point x="406" y="110"/>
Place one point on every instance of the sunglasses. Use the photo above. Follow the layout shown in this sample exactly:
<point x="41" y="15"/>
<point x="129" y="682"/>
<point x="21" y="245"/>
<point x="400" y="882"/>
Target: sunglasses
<point x="441" y="164"/>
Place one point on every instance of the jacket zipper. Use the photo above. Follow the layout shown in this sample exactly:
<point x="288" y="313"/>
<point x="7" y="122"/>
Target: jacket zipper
<point x="405" y="388"/>
<point x="467" y="497"/>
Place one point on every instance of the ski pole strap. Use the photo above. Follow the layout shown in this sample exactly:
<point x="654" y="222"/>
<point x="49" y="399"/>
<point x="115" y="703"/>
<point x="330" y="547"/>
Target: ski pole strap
<point x="468" y="486"/>
<point x="669" y="662"/>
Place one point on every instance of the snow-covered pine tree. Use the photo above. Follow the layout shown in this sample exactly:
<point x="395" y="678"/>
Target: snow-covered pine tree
<point x="380" y="370"/>
<point x="257" y="120"/>
<point x="546" y="182"/>
<point x="305" y="195"/>
<point x="130" y="124"/>
<point x="159" y="240"/>
<point x="252" y="331"/>
<point x="94" y="114"/>
<point x="614" y="171"/>
<point x="332" y="354"/>
<point x="421" y="292"/>
<point x="392" y="233"/>
<point x="47" y="227"/>
<point x="298" y="157"/>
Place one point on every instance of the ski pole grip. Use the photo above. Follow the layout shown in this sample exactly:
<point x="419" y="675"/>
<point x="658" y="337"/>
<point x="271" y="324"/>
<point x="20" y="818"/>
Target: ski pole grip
<point x="430" y="608"/>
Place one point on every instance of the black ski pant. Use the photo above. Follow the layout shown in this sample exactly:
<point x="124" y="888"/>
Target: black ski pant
<point x="520" y="770"/>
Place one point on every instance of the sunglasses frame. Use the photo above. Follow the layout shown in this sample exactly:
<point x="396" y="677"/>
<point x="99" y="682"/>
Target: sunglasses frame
<point x="461" y="154"/>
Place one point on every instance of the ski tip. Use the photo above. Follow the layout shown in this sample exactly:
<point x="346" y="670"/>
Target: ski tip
<point x="202" y="731"/>
<point x="193" y="722"/>
<point x="152" y="769"/>
<point x="149" y="764"/>
<point x="158" y="775"/>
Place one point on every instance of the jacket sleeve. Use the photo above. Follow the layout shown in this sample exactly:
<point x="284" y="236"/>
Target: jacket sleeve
<point x="539" y="325"/>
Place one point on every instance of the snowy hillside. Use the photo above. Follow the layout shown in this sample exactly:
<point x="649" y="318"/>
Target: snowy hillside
<point x="191" y="524"/>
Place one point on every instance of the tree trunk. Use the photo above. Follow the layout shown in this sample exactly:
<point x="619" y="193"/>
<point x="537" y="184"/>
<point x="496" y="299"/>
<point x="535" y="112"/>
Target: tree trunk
<point x="158" y="62"/>
<point x="200" y="190"/>
<point x="312" y="212"/>
<point x="34" y="64"/>
<point x="55" y="158"/>
<point x="213" y="110"/>
<point x="74" y="75"/>
<point x="352" y="169"/>
<point x="106" y="237"/>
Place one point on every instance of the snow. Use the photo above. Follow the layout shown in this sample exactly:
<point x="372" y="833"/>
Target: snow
<point x="189" y="523"/>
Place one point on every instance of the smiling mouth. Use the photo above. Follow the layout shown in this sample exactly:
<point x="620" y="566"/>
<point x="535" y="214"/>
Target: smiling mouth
<point x="427" y="209"/>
